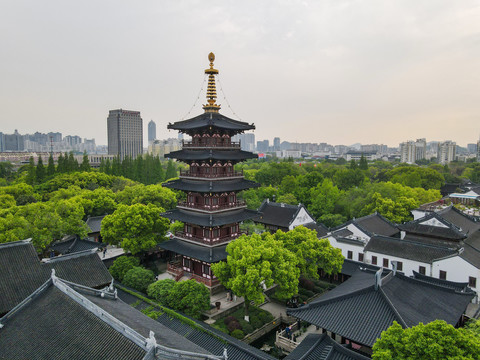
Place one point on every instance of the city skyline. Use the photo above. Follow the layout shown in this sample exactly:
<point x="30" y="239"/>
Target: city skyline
<point x="339" y="72"/>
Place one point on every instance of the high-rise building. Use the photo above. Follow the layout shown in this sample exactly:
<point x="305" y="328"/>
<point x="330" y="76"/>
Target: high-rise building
<point x="125" y="133"/>
<point x="262" y="146"/>
<point x="411" y="151"/>
<point x="472" y="148"/>
<point x="14" y="142"/>
<point x="446" y="152"/>
<point x="2" y="142"/>
<point x="276" y="144"/>
<point x="152" y="131"/>
<point x="478" y="150"/>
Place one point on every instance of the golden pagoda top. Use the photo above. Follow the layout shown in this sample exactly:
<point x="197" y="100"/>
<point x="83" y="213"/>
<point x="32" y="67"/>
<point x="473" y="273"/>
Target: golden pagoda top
<point x="211" y="88"/>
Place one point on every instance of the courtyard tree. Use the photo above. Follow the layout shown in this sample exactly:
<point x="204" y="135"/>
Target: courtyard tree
<point x="257" y="262"/>
<point x="135" y="228"/>
<point x="122" y="265"/>
<point x="435" y="340"/>
<point x="190" y="297"/>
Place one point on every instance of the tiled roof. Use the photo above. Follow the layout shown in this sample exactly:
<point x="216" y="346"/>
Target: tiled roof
<point x="225" y="218"/>
<point x="450" y="232"/>
<point x="83" y="323"/>
<point x="407" y="249"/>
<point x="467" y="224"/>
<point x="277" y="214"/>
<point x="457" y="286"/>
<point x="216" y="120"/>
<point x="322" y="347"/>
<point x="203" y="253"/>
<point x="213" y="154"/>
<point x="322" y="230"/>
<point x="95" y="223"/>
<point x="21" y="272"/>
<point x="210" y="186"/>
<point x="75" y="244"/>
<point x="350" y="267"/>
<point x="377" y="224"/>
<point x="359" y="312"/>
<point x="212" y="340"/>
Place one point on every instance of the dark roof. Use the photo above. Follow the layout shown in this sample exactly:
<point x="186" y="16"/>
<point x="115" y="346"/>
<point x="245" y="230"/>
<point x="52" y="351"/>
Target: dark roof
<point x="349" y="267"/>
<point x="203" y="253"/>
<point x="322" y="347"/>
<point x="408" y="249"/>
<point x="377" y="224"/>
<point x="215" y="120"/>
<point x="471" y="254"/>
<point x="214" y="154"/>
<point x="359" y="312"/>
<point x="278" y="214"/>
<point x="467" y="224"/>
<point x="449" y="232"/>
<point x="219" y="219"/>
<point x="447" y="188"/>
<point x="75" y="244"/>
<point x="322" y="230"/>
<point x="21" y="272"/>
<point x="95" y="223"/>
<point x="342" y="233"/>
<point x="210" y="186"/>
<point x="84" y="323"/>
<point x="457" y="286"/>
<point x="212" y="340"/>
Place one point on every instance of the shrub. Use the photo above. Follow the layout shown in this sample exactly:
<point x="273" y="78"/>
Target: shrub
<point x="229" y="319"/>
<point x="265" y="317"/>
<point x="190" y="297"/>
<point x="139" y="278"/>
<point x="122" y="265"/>
<point x="255" y="322"/>
<point x="234" y="325"/>
<point x="160" y="290"/>
<point x="238" y="334"/>
<point x="246" y="327"/>
<point x="307" y="284"/>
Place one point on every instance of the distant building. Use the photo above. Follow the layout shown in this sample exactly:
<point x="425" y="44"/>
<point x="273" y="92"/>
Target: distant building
<point x="379" y="148"/>
<point x="411" y="151"/>
<point x="285" y="154"/>
<point x="262" y="146"/>
<point x="125" y="133"/>
<point x="2" y="142"/>
<point x="357" y="155"/>
<point x="472" y="148"/>
<point x="162" y="147"/>
<point x="55" y="137"/>
<point x="446" y="152"/>
<point x="276" y="143"/>
<point x="247" y="141"/>
<point x="14" y="142"/>
<point x="478" y="150"/>
<point x="152" y="131"/>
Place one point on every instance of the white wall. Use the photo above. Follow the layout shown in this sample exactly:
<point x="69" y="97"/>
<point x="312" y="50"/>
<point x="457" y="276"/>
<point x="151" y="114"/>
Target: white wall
<point x="301" y="219"/>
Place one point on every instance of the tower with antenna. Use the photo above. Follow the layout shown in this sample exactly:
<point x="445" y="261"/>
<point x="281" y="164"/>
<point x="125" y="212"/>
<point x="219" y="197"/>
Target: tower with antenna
<point x="212" y="211"/>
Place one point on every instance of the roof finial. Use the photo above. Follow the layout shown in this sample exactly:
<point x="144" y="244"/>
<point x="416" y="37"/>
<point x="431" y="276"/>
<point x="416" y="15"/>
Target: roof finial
<point x="211" y="107"/>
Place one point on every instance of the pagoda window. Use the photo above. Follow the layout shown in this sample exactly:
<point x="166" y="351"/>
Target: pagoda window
<point x="188" y="229"/>
<point x="206" y="269"/>
<point x="231" y="199"/>
<point x="187" y="263"/>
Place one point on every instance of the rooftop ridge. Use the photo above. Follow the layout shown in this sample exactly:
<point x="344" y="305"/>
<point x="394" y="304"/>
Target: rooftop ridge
<point x="392" y="307"/>
<point x="69" y="256"/>
<point x="414" y="242"/>
<point x="436" y="286"/>
<point x="16" y="243"/>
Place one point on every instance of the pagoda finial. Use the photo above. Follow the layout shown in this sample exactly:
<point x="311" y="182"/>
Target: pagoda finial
<point x="211" y="89"/>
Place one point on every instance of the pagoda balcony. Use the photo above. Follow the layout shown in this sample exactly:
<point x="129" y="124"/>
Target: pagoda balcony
<point x="196" y="145"/>
<point x="207" y="241"/>
<point x="230" y="175"/>
<point x="175" y="268"/>
<point x="212" y="208"/>
<point x="208" y="282"/>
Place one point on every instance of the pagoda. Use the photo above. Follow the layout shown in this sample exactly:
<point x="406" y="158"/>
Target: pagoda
<point x="211" y="212"/>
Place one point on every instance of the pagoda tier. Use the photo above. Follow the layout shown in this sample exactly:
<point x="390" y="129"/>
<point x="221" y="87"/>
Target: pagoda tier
<point x="211" y="186"/>
<point x="211" y="213"/>
<point x="208" y="121"/>
<point x="211" y="155"/>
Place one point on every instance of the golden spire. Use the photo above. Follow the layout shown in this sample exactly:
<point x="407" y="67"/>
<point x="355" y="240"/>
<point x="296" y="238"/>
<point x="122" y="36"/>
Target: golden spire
<point x="211" y="89"/>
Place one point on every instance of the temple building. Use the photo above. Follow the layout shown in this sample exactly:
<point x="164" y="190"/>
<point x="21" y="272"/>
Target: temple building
<point x="211" y="212"/>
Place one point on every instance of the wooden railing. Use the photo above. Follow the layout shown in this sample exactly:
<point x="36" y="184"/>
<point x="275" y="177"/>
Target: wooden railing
<point x="207" y="241"/>
<point x="239" y="203"/>
<point x="285" y="342"/>
<point x="187" y="173"/>
<point x="175" y="268"/>
<point x="206" y="281"/>
<point x="210" y="144"/>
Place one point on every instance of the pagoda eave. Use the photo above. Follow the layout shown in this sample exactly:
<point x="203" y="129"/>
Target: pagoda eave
<point x="211" y="154"/>
<point x="203" y="186"/>
<point x="208" y="121"/>
<point x="210" y="220"/>
<point x="202" y="253"/>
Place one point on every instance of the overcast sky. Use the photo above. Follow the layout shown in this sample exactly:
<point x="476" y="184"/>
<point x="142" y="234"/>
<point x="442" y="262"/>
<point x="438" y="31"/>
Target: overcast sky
<point x="333" y="71"/>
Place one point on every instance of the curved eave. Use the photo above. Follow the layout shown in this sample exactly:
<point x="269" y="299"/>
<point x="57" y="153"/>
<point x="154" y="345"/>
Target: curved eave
<point x="213" y="154"/>
<point x="210" y="220"/>
<point x="210" y="186"/>
<point x="206" y="120"/>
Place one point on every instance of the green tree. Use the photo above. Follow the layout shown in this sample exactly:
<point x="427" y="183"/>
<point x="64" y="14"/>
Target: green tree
<point x="40" y="171"/>
<point x="61" y="166"/>
<point x="139" y="278"/>
<point x="312" y="253"/>
<point x="190" y="297"/>
<point x="171" y="171"/>
<point x="85" y="166"/>
<point x="7" y="201"/>
<point x="30" y="178"/>
<point x="255" y="262"/>
<point x="363" y="164"/>
<point x="122" y="265"/>
<point x="435" y="340"/>
<point x="160" y="290"/>
<point x="6" y="170"/>
<point x="324" y="198"/>
<point x="51" y="166"/>
<point x="135" y="228"/>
